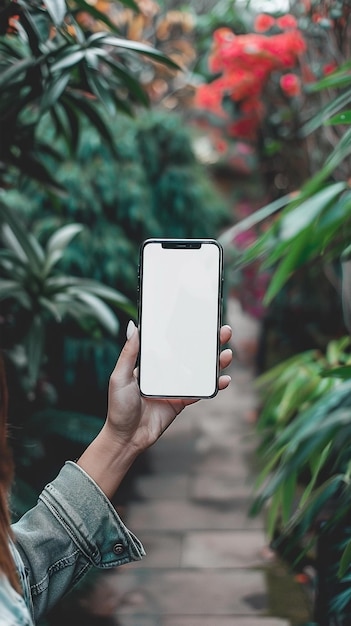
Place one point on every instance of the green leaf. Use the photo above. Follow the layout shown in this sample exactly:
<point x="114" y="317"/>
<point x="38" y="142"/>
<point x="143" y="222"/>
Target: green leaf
<point x="29" y="252"/>
<point x="305" y="517"/>
<point x="343" y="372"/>
<point x="128" y="80"/>
<point x="325" y="113"/>
<point x="316" y="466"/>
<point x="68" y="61"/>
<point x="52" y="308"/>
<point x="293" y="221"/>
<point x="273" y="514"/>
<point x="308" y="421"/>
<point x="101" y="290"/>
<point x="135" y="46"/>
<point x="57" y="10"/>
<point x="294" y="258"/>
<point x="102" y="90"/>
<point x="341" y="118"/>
<point x="71" y="113"/>
<point x="11" y="289"/>
<point x="345" y="561"/>
<point x="58" y="242"/>
<point x="34" y="344"/>
<point x="89" y="110"/>
<point x="15" y="70"/>
<point x="29" y="165"/>
<point x="288" y="491"/>
<point x="253" y="219"/>
<point x="131" y="4"/>
<point x="335" y="80"/>
<point x="54" y="91"/>
<point x="96" y="307"/>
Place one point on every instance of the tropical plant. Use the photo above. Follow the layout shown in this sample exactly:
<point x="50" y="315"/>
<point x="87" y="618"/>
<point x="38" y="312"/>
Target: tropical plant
<point x="155" y="187"/>
<point x="52" y="66"/>
<point x="32" y="288"/>
<point x="305" y="428"/>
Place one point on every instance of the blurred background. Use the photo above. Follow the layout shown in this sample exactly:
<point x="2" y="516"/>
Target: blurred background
<point x="229" y="119"/>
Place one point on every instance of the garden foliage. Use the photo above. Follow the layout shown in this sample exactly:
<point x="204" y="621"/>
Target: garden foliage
<point x="304" y="425"/>
<point x="80" y="190"/>
<point x="299" y="130"/>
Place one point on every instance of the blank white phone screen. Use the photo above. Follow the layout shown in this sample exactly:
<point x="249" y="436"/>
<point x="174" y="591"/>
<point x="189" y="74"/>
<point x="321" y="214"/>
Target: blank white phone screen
<point x="180" y="316"/>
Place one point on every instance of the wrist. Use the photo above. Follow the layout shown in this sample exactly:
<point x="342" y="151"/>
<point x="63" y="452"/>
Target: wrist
<point x="107" y="460"/>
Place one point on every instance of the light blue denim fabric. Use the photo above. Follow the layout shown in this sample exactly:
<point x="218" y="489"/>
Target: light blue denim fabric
<point x="72" y="528"/>
<point x="13" y="609"/>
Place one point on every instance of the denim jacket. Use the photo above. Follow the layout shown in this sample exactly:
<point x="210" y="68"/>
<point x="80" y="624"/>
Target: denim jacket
<point x="72" y="528"/>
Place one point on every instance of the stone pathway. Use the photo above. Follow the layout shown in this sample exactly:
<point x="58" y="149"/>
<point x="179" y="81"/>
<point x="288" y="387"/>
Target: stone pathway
<point x="204" y="563"/>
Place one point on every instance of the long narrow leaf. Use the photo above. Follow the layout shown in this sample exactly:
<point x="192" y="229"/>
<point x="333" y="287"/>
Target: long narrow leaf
<point x="90" y="111"/>
<point x="57" y="10"/>
<point x="26" y="244"/>
<point x="54" y="91"/>
<point x="14" y="71"/>
<point x="59" y="241"/>
<point x="326" y="112"/>
<point x="96" y="307"/>
<point x="127" y="44"/>
<point x="256" y="217"/>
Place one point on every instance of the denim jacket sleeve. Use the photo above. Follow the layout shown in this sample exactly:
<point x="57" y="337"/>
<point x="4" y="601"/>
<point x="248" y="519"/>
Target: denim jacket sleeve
<point x="72" y="528"/>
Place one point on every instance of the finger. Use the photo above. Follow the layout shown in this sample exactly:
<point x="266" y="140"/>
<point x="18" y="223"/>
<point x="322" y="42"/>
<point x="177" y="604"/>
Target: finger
<point x="225" y="334"/>
<point x="127" y="359"/>
<point x="224" y="382"/>
<point x="225" y="358"/>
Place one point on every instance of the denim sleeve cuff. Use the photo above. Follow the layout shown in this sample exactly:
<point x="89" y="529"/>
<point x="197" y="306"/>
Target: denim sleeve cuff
<point x="89" y="518"/>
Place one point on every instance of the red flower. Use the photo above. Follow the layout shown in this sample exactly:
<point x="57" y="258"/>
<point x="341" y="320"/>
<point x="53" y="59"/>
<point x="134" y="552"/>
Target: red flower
<point x="287" y="22"/>
<point x="263" y="22"/>
<point x="329" y="68"/>
<point x="222" y="36"/>
<point x="286" y="47"/>
<point x="291" y="85"/>
<point x="210" y="98"/>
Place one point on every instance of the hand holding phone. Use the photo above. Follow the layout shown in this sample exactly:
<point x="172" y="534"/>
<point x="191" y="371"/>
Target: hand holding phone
<point x="179" y="317"/>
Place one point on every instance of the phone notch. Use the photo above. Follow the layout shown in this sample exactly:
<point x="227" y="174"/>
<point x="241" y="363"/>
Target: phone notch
<point x="181" y="245"/>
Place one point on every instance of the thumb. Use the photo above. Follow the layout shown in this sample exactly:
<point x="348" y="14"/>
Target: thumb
<point x="127" y="359"/>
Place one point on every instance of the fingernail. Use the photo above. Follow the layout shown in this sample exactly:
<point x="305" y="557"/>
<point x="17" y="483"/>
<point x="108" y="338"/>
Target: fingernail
<point x="130" y="329"/>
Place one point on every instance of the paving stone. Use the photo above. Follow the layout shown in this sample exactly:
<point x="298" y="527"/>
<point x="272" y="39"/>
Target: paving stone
<point x="203" y="620"/>
<point x="204" y="562"/>
<point x="183" y="515"/>
<point x="232" y="549"/>
<point x="167" y="486"/>
<point x="215" y="620"/>
<point x="173" y="454"/>
<point x="162" y="550"/>
<point x="192" y="592"/>
<point x="219" y="488"/>
<point x="139" y="620"/>
<point x="225" y="463"/>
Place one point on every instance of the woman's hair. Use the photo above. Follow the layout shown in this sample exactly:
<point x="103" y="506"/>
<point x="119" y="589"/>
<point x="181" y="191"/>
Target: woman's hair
<point x="7" y="566"/>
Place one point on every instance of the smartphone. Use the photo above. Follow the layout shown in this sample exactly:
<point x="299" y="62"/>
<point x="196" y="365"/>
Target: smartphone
<point x="180" y="305"/>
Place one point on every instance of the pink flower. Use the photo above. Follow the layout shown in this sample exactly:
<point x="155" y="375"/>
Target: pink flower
<point x="290" y="85"/>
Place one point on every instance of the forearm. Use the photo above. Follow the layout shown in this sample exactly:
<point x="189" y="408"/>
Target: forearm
<point x="107" y="460"/>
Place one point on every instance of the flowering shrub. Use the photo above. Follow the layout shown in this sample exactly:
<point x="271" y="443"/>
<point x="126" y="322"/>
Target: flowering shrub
<point x="245" y="64"/>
